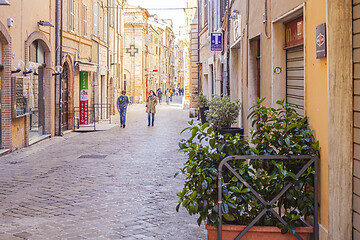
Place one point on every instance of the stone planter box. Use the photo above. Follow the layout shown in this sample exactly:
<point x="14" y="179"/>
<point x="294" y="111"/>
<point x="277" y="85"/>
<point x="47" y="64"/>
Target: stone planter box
<point x="230" y="232"/>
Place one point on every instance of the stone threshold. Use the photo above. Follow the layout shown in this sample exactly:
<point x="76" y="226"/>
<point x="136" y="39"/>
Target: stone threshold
<point x="4" y="152"/>
<point x="39" y="139"/>
<point x="67" y="132"/>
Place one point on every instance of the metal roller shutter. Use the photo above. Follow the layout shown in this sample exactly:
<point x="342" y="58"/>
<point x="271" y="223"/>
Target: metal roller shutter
<point x="295" y="82"/>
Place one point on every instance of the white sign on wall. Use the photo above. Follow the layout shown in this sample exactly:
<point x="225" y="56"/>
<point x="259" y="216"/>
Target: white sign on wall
<point x="237" y="27"/>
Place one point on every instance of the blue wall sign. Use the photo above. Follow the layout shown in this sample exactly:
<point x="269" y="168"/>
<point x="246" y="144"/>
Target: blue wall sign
<point x="216" y="42"/>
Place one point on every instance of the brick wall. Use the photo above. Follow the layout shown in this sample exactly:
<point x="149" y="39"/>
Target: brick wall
<point x="5" y="88"/>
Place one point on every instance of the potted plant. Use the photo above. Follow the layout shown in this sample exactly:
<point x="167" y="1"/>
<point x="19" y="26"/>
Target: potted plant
<point x="203" y="107"/>
<point x="223" y="113"/>
<point x="275" y="132"/>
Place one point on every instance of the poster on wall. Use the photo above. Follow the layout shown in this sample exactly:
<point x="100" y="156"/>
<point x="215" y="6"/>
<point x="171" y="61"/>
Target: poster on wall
<point x="84" y="98"/>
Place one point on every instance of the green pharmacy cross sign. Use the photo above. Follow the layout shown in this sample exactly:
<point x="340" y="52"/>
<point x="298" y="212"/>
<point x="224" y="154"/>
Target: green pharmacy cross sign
<point x="132" y="50"/>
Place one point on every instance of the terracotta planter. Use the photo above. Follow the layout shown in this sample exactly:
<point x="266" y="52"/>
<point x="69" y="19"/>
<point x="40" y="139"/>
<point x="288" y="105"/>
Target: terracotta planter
<point x="230" y="232"/>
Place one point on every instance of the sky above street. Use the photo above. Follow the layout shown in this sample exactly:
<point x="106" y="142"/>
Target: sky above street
<point x="178" y="16"/>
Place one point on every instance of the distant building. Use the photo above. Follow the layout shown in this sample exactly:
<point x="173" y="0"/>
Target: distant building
<point x="135" y="51"/>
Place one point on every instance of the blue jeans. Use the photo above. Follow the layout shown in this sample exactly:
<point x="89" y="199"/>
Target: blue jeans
<point x="160" y="99"/>
<point x="122" y="115"/>
<point x="153" y="116"/>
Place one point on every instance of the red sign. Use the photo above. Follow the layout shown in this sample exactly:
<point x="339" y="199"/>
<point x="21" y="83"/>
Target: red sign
<point x="84" y="98"/>
<point x="294" y="33"/>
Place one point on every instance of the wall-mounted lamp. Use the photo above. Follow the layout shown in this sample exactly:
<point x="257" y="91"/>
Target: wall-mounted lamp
<point x="45" y="23"/>
<point x="4" y="2"/>
<point x="30" y="69"/>
<point x="19" y="67"/>
<point x="234" y="14"/>
<point x="58" y="70"/>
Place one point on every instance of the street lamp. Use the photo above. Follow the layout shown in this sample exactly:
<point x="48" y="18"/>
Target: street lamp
<point x="4" y="2"/>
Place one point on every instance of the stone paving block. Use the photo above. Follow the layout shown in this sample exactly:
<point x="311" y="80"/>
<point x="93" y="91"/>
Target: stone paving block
<point x="131" y="194"/>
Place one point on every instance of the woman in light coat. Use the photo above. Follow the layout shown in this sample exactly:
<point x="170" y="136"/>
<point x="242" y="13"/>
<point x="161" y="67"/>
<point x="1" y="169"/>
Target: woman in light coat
<point x="151" y="103"/>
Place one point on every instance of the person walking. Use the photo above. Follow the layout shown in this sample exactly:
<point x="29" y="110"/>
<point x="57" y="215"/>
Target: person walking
<point x="167" y="96"/>
<point x="171" y="94"/>
<point x="159" y="93"/>
<point x="151" y="103"/>
<point x="122" y="103"/>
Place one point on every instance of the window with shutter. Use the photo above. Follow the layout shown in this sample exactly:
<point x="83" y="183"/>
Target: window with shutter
<point x="72" y="15"/>
<point x="210" y="16"/>
<point x="105" y="28"/>
<point x="119" y="21"/>
<point x="206" y="12"/>
<point x="96" y="19"/>
<point x="112" y="13"/>
<point x="84" y="20"/>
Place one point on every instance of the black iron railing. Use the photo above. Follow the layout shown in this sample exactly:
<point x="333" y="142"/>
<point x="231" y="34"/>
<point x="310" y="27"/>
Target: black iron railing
<point x="103" y="112"/>
<point x="84" y="117"/>
<point x="267" y="205"/>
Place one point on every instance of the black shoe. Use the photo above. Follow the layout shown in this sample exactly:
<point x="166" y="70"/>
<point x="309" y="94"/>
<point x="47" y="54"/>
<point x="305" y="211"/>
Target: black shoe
<point x="124" y="126"/>
<point x="149" y="125"/>
<point x="152" y="125"/>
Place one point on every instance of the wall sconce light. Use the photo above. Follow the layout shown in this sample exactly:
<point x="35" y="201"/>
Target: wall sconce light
<point x="19" y="67"/>
<point x="58" y="70"/>
<point x="234" y="14"/>
<point x="45" y="23"/>
<point x="4" y="2"/>
<point x="31" y="69"/>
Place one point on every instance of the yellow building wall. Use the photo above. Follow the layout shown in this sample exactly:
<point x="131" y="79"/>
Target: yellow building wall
<point x="316" y="96"/>
<point x="18" y="132"/>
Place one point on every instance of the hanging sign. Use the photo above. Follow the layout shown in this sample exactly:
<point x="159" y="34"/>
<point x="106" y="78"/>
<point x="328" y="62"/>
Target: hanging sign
<point x="216" y="42"/>
<point x="84" y="98"/>
<point x="294" y="31"/>
<point x="321" y="41"/>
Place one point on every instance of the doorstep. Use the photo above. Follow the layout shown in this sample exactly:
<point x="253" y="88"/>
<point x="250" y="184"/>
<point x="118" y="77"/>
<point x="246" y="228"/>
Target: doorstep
<point x="39" y="139"/>
<point x="67" y="132"/>
<point x="4" y="152"/>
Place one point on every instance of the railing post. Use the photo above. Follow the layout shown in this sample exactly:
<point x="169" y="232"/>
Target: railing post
<point x="316" y="199"/>
<point x="220" y="205"/>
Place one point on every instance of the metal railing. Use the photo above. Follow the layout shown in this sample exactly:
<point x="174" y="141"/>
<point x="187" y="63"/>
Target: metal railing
<point x="312" y="160"/>
<point x="89" y="112"/>
<point x="103" y="112"/>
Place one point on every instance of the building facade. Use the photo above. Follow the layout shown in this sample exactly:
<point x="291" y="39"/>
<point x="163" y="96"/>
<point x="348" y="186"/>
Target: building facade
<point x="306" y="53"/>
<point x="27" y="84"/>
<point x="135" y="52"/>
<point x="56" y="44"/>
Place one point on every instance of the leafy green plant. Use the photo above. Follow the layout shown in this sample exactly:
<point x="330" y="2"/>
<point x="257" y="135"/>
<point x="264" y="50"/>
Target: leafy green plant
<point x="205" y="152"/>
<point x="275" y="132"/>
<point x="202" y="100"/>
<point x="223" y="112"/>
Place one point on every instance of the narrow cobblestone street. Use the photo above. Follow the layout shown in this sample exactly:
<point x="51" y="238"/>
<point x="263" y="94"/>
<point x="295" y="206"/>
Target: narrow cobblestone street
<point x="114" y="184"/>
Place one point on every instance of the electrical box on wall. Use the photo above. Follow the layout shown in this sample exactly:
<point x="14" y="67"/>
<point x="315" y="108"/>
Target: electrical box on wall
<point x="10" y="22"/>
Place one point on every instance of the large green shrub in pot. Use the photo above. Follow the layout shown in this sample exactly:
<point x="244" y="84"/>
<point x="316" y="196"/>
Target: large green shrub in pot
<point x="275" y="132"/>
<point x="223" y="112"/>
<point x="202" y="100"/>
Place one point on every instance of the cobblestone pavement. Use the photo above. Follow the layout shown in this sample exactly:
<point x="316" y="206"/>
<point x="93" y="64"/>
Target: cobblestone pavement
<point x="115" y="184"/>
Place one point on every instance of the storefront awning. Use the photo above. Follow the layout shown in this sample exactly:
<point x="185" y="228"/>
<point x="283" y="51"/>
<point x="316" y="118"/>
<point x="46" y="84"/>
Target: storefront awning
<point x="86" y="66"/>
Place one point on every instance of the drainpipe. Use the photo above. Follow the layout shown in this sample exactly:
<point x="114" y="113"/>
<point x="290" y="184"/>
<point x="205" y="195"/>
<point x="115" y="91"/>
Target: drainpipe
<point x="198" y="36"/>
<point x="228" y="50"/>
<point x="57" y="34"/>
<point x="60" y="63"/>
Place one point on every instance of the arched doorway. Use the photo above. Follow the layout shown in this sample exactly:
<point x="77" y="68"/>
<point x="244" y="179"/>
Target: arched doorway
<point x="34" y="90"/>
<point x="37" y="85"/>
<point x="65" y="97"/>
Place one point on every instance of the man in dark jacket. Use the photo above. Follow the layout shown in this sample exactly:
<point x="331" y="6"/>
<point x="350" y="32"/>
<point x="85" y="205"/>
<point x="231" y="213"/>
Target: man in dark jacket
<point x="122" y="103"/>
